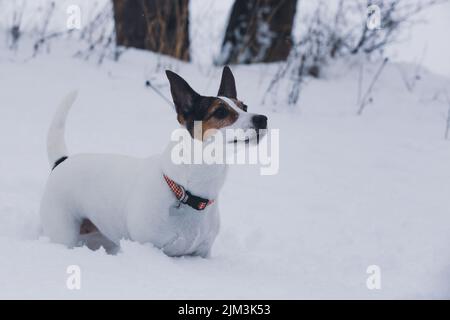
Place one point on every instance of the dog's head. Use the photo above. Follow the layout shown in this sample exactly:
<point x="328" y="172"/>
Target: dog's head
<point x="219" y="113"/>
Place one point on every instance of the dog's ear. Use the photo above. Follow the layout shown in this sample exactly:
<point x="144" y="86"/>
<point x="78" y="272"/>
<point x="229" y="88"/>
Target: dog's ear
<point x="183" y="95"/>
<point x="228" y="84"/>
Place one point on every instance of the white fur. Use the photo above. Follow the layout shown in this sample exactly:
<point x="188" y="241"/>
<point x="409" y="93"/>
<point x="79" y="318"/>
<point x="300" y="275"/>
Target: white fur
<point x="56" y="146"/>
<point x="128" y="198"/>
<point x="244" y="122"/>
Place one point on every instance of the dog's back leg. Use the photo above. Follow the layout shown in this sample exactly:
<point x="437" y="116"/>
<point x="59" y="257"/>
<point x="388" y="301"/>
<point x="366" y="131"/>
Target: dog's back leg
<point x="59" y="224"/>
<point x="92" y="238"/>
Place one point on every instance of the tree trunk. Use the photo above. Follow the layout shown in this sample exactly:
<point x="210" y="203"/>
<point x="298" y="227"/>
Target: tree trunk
<point x="259" y="31"/>
<point x="130" y="24"/>
<point x="157" y="25"/>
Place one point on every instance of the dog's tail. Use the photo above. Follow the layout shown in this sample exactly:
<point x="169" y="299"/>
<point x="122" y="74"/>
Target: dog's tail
<point x="56" y="145"/>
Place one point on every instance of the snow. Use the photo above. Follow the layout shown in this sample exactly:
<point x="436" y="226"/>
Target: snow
<point x="425" y="42"/>
<point x="351" y="192"/>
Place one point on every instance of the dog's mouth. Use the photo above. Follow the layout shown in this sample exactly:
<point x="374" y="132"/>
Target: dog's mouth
<point x="248" y="140"/>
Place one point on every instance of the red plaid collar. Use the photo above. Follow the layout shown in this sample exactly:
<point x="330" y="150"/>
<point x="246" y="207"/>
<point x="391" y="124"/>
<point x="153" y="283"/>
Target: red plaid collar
<point x="186" y="197"/>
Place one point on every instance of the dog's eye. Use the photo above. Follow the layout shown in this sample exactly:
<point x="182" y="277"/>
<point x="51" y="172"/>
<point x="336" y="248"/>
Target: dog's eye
<point x="221" y="113"/>
<point x="244" y="107"/>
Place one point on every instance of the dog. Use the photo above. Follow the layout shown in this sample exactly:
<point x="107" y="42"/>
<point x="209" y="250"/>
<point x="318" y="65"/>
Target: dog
<point x="112" y="197"/>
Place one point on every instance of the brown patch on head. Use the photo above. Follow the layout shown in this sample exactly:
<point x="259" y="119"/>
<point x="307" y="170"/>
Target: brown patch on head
<point x="213" y="112"/>
<point x="219" y="115"/>
<point x="181" y="119"/>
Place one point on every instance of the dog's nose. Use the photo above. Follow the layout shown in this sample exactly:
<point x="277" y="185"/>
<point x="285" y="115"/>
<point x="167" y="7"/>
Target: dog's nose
<point x="260" y="122"/>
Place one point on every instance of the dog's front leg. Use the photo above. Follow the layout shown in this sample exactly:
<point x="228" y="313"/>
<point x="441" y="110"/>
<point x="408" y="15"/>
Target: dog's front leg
<point x="204" y="250"/>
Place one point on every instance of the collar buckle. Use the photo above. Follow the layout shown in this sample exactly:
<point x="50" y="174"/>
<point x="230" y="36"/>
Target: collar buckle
<point x="185" y="197"/>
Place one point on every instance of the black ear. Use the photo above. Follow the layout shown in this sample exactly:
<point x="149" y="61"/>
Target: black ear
<point x="228" y="84"/>
<point x="183" y="95"/>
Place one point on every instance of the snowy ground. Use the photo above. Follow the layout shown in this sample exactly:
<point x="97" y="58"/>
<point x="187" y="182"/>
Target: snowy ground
<point x="351" y="191"/>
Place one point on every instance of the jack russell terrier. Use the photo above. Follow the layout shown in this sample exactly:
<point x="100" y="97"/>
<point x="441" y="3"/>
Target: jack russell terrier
<point x="152" y="200"/>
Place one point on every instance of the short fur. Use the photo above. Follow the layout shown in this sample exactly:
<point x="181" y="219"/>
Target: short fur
<point x="93" y="196"/>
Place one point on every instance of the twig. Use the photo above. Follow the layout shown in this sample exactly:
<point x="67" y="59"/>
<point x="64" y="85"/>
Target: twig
<point x="99" y="35"/>
<point x="360" y="83"/>
<point x="411" y="83"/>
<point x="447" y="130"/>
<point x="366" y="99"/>
<point x="43" y="33"/>
<point x="148" y="84"/>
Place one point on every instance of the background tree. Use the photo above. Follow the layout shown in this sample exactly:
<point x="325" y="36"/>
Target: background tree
<point x="157" y="25"/>
<point x="330" y="33"/>
<point x="259" y="31"/>
<point x="130" y="24"/>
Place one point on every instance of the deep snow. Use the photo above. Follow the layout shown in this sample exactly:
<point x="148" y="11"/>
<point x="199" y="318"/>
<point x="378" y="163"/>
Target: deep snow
<point x="351" y="192"/>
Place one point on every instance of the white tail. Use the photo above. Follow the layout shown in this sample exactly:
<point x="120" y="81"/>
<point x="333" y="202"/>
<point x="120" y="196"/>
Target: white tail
<point x="56" y="145"/>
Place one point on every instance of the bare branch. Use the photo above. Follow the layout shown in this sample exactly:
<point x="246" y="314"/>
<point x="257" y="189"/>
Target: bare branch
<point x="367" y="97"/>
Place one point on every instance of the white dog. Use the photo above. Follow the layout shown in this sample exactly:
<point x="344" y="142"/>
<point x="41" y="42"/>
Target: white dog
<point x="174" y="207"/>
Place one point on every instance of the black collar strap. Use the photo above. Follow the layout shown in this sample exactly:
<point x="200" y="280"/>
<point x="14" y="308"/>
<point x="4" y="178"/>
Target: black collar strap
<point x="186" y="197"/>
<point x="59" y="161"/>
